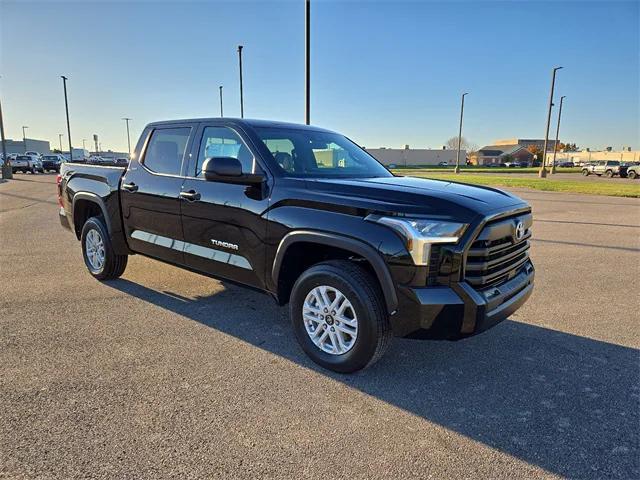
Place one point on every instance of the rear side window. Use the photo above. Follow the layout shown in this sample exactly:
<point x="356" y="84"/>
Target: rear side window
<point x="166" y="150"/>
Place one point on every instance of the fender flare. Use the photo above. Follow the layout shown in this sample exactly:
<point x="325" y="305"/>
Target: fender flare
<point x="91" y="197"/>
<point x="346" y="243"/>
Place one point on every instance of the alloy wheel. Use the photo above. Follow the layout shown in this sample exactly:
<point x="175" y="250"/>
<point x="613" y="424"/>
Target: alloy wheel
<point x="330" y="320"/>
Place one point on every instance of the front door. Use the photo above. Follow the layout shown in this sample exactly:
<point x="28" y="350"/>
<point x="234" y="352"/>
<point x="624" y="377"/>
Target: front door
<point x="150" y="194"/>
<point x="224" y="224"/>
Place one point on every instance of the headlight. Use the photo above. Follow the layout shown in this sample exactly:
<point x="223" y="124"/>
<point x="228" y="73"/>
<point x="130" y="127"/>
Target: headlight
<point x="421" y="233"/>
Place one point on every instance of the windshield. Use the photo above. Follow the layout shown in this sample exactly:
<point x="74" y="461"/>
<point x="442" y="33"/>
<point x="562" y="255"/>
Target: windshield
<point x="313" y="153"/>
<point x="50" y="157"/>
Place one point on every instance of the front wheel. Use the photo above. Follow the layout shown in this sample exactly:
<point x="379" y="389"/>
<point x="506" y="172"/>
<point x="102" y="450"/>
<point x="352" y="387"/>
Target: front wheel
<point x="585" y="173"/>
<point x="632" y="174"/>
<point x="339" y="316"/>
<point x="101" y="261"/>
<point x="608" y="174"/>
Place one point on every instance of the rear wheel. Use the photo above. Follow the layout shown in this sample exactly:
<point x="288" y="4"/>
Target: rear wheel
<point x="585" y="172"/>
<point x="101" y="261"/>
<point x="339" y="317"/>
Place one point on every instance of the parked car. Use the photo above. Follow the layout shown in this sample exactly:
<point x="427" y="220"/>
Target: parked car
<point x="310" y="218"/>
<point x="98" y="160"/>
<point x="26" y="163"/>
<point x="608" y="168"/>
<point x="121" y="162"/>
<point x="443" y="164"/>
<point x="566" y="164"/>
<point x="633" y="170"/>
<point x="32" y="153"/>
<point x="52" y="162"/>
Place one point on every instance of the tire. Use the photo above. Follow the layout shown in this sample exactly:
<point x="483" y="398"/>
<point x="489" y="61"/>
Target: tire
<point x="585" y="172"/>
<point x="608" y="174"/>
<point x="112" y="265"/>
<point x="366" y="306"/>
<point x="632" y="174"/>
<point x="33" y="171"/>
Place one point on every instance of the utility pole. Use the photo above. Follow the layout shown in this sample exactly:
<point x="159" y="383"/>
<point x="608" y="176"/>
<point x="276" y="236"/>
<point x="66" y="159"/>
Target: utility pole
<point x="84" y="143"/>
<point x="457" y="169"/>
<point x="240" y="64"/>
<point x="307" y="61"/>
<point x="60" y="135"/>
<point x="126" y="119"/>
<point x="24" y="138"/>
<point x="543" y="165"/>
<point x="6" y="168"/>
<point x="221" y="111"/>
<point x="66" y="107"/>
<point x="555" y="146"/>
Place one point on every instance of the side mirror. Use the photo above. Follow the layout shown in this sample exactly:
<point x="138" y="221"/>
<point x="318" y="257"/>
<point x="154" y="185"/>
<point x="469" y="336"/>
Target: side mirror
<point x="228" y="170"/>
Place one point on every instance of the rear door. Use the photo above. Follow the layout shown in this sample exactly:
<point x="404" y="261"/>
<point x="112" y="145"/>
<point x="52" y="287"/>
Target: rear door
<point x="224" y="224"/>
<point x="150" y="190"/>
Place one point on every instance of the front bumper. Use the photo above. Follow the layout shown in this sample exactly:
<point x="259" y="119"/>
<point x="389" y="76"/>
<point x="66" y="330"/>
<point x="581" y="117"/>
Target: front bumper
<point x="459" y="311"/>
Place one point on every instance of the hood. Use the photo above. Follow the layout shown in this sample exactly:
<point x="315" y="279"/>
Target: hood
<point x="410" y="195"/>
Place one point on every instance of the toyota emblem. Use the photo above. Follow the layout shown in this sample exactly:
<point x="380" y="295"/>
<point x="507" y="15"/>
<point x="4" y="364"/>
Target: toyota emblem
<point x="519" y="231"/>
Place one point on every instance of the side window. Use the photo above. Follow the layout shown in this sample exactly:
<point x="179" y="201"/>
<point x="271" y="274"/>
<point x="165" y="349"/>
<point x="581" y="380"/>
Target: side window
<point x="283" y="152"/>
<point x="166" y="149"/>
<point x="224" y="142"/>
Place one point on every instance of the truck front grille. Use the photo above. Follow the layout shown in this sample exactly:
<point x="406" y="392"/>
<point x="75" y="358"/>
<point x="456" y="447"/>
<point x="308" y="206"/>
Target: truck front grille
<point x="497" y="254"/>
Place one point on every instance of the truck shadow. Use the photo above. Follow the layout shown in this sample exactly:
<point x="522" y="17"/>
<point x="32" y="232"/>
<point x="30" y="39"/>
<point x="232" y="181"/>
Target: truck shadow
<point x="566" y="403"/>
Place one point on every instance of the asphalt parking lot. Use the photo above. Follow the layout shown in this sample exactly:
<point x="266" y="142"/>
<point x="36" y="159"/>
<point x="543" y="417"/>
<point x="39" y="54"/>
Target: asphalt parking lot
<point x="164" y="373"/>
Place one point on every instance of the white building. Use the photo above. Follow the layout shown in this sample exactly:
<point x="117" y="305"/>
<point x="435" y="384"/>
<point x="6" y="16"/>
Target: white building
<point x="419" y="156"/>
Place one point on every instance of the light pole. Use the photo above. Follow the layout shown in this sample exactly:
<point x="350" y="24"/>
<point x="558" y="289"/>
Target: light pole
<point x="6" y="168"/>
<point x="221" y="111"/>
<point x="543" y="170"/>
<point x="24" y="138"/>
<point x="60" y="135"/>
<point x="66" y="107"/>
<point x="555" y="145"/>
<point x="126" y="119"/>
<point x="457" y="169"/>
<point x="84" y="143"/>
<point x="240" y="65"/>
<point x="307" y="62"/>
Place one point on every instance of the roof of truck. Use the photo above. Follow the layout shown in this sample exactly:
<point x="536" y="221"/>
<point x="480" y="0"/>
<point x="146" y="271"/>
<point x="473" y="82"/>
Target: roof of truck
<point x="244" y="121"/>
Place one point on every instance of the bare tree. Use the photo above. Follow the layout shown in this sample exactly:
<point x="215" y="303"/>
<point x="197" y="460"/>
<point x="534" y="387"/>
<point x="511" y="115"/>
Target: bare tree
<point x="452" y="144"/>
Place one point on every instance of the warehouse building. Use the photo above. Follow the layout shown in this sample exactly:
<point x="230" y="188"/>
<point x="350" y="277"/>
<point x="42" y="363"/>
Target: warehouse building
<point x="28" y="145"/>
<point x="418" y="156"/>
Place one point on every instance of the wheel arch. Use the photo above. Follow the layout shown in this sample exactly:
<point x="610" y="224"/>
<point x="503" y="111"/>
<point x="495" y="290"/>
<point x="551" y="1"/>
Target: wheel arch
<point x="344" y="244"/>
<point x="85" y="203"/>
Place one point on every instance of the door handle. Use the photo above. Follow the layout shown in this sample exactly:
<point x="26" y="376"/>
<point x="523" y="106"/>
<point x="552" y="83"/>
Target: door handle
<point x="130" y="187"/>
<point x="190" y="195"/>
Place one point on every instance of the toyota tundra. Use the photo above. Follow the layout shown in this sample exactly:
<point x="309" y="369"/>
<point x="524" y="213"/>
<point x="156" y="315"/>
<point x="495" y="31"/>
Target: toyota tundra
<point x="309" y="217"/>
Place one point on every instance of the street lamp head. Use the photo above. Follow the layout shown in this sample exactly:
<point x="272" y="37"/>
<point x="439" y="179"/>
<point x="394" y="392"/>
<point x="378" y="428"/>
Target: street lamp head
<point x="558" y="68"/>
<point x="240" y="47"/>
<point x="63" y="77"/>
<point x="465" y="93"/>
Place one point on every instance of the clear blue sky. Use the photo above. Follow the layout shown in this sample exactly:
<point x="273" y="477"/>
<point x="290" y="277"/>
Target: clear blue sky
<point x="384" y="73"/>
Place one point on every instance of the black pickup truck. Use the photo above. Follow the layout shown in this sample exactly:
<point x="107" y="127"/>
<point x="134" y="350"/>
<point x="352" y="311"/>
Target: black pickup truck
<point x="309" y="217"/>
